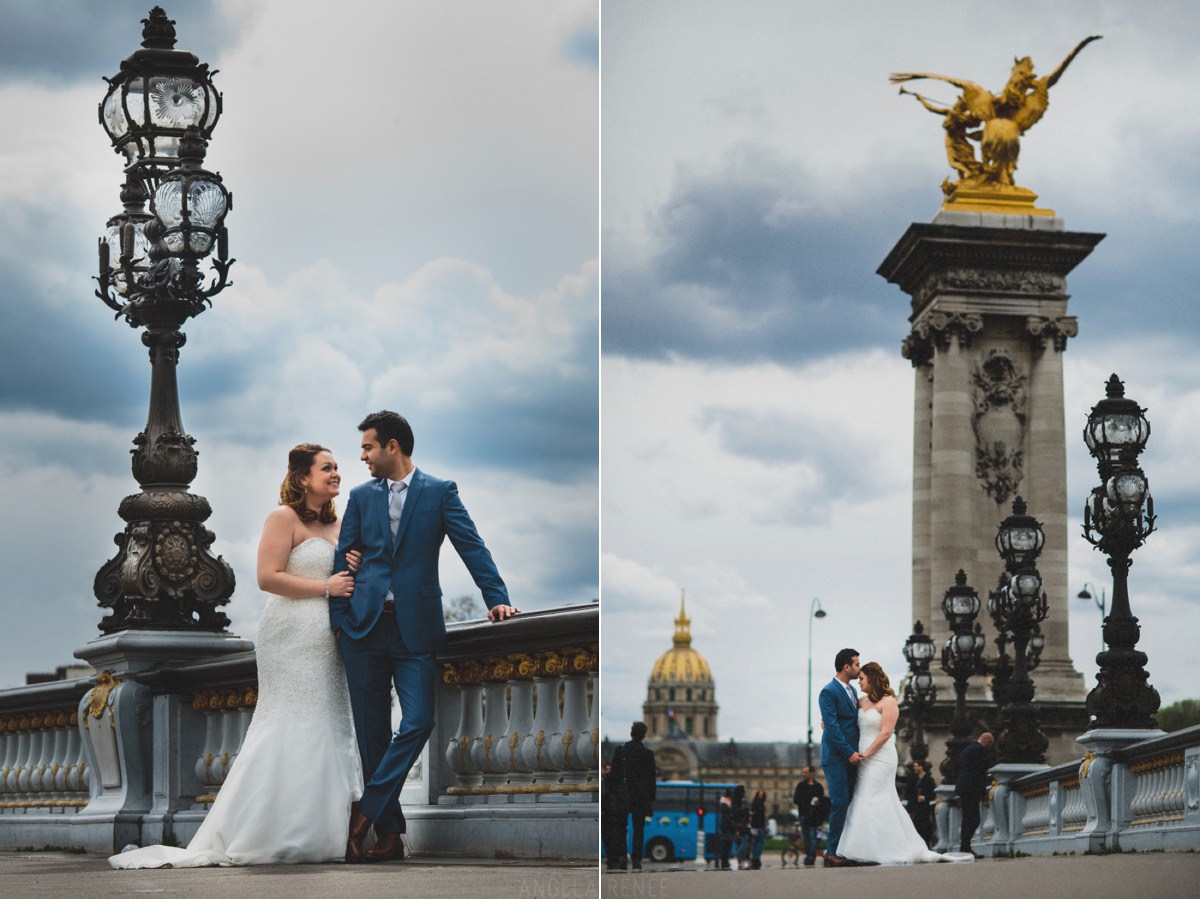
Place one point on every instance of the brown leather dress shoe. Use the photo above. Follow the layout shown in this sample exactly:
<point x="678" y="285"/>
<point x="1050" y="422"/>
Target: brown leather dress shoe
<point x="359" y="825"/>
<point x="390" y="848"/>
<point x="839" y="861"/>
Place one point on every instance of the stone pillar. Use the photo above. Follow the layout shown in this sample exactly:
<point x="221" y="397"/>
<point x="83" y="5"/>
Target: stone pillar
<point x="989" y="325"/>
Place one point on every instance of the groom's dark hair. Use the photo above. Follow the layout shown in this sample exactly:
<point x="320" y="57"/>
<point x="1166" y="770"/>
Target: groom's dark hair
<point x="390" y="426"/>
<point x="844" y="658"/>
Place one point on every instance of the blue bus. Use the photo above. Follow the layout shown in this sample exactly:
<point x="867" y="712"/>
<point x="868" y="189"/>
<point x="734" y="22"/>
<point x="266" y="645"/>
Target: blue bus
<point x="681" y="809"/>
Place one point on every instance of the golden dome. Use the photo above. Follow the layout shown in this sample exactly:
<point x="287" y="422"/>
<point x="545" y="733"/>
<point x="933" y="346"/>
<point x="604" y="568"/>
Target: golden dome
<point x="681" y="664"/>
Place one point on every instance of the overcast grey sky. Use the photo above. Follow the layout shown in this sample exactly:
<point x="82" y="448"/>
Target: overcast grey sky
<point x="415" y="221"/>
<point x="757" y="167"/>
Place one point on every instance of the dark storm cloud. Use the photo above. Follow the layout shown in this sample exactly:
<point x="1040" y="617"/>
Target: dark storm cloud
<point x="62" y="43"/>
<point x="62" y="352"/>
<point x="746" y="265"/>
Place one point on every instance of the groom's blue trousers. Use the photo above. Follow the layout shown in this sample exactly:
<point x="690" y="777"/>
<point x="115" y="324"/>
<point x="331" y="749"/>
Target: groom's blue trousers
<point x="840" y="780"/>
<point x="373" y="665"/>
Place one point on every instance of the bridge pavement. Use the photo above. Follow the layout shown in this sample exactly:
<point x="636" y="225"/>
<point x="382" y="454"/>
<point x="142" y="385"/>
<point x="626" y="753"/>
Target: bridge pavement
<point x="1128" y="876"/>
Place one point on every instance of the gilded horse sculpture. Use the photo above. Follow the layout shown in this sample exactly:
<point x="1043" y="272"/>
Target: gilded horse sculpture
<point x="1004" y="117"/>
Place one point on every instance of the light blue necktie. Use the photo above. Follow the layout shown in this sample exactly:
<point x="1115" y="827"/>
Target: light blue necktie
<point x="396" y="506"/>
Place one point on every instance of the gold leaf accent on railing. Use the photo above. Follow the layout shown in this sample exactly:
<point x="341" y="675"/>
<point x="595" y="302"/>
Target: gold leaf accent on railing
<point x="449" y="673"/>
<point x="550" y="664"/>
<point x="1088" y="758"/>
<point x="498" y="669"/>
<point x="471" y="672"/>
<point x="524" y="665"/>
<point x="575" y="660"/>
<point x="99" y="698"/>
<point x="538" y="741"/>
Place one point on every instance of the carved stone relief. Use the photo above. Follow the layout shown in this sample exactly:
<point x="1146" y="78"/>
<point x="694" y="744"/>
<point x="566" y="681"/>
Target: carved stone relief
<point x="999" y="425"/>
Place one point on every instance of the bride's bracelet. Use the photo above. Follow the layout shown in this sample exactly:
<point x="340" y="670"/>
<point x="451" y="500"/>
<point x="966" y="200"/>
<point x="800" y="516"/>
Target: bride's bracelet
<point x="326" y="588"/>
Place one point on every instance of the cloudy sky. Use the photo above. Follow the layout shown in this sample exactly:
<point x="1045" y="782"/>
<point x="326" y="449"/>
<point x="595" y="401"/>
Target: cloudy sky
<point x="415" y="221"/>
<point x="757" y="428"/>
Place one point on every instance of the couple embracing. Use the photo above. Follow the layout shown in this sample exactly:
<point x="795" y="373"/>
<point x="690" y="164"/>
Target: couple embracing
<point x="867" y="823"/>
<point x="355" y="609"/>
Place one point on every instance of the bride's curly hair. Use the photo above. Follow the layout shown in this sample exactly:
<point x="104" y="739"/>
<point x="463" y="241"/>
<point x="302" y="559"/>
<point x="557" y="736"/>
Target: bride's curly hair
<point x="291" y="491"/>
<point x="878" y="685"/>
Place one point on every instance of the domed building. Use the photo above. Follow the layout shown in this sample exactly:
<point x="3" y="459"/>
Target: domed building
<point x="681" y="696"/>
<point x="681" y="720"/>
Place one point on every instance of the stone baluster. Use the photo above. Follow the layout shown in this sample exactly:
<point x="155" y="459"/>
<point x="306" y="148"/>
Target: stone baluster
<point x="205" y="770"/>
<point x="574" y="716"/>
<point x="247" y="700"/>
<point x="230" y="737"/>
<point x="585" y="750"/>
<point x="31" y="776"/>
<point x="55" y="777"/>
<point x="8" y="754"/>
<point x="467" y="676"/>
<point x="520" y="721"/>
<point x="486" y="749"/>
<point x="25" y="756"/>
<point x="547" y="719"/>
<point x="74" y="782"/>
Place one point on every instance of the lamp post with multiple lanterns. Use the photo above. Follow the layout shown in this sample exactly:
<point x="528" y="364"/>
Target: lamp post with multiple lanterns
<point x="1018" y="608"/>
<point x="1117" y="519"/>
<point x="159" y="112"/>
<point x="961" y="658"/>
<point x="919" y="690"/>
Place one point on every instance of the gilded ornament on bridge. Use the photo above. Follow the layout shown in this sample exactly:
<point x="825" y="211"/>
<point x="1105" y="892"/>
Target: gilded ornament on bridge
<point x="524" y="665"/>
<point x="550" y="664"/>
<point x="99" y="698"/>
<point x="498" y="669"/>
<point x="994" y="122"/>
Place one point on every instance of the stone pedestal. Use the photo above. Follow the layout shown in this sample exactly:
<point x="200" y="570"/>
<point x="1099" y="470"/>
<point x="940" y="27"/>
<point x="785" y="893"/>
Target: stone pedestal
<point x="1100" y="791"/>
<point x="120" y="731"/>
<point x="989" y="326"/>
<point x="1006" y="811"/>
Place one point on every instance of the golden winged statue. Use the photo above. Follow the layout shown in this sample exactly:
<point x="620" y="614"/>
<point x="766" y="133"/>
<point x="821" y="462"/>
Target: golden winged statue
<point x="1004" y="117"/>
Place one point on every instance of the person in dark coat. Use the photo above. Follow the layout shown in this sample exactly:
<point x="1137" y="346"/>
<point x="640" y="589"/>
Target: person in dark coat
<point x="741" y="827"/>
<point x="613" y="812"/>
<point x="810" y="800"/>
<point x="922" y="799"/>
<point x="971" y="785"/>
<point x="726" y="830"/>
<point x="633" y="766"/>
<point x="758" y="828"/>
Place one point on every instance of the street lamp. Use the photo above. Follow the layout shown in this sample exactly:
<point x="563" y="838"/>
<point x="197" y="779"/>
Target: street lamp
<point x="159" y="111"/>
<point x="919" y="689"/>
<point x="961" y="658"/>
<point x="1018" y="607"/>
<point x="1101" y="603"/>
<point x="1117" y="519"/>
<point x="814" y="611"/>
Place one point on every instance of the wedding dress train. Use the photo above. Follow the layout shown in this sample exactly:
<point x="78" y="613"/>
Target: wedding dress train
<point x="287" y="797"/>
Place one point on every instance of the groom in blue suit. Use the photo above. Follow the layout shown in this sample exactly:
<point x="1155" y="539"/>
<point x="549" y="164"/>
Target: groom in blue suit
<point x="392" y="625"/>
<point x="839" y="747"/>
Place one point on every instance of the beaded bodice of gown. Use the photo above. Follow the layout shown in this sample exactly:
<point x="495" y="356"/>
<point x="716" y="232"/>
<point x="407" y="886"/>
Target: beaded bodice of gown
<point x="288" y="793"/>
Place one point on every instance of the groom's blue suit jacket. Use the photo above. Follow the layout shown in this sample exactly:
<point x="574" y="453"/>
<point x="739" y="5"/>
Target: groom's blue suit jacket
<point x="840" y="716"/>
<point x="408" y="566"/>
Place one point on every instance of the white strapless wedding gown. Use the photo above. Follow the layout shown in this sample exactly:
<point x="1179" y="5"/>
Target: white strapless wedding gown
<point x="878" y="828"/>
<point x="287" y="797"/>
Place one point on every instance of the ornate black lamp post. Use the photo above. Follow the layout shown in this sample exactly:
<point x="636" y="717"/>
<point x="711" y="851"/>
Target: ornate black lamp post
<point x="961" y="658"/>
<point x="159" y="111"/>
<point x="1117" y="519"/>
<point x="919" y="690"/>
<point x="1019" y="606"/>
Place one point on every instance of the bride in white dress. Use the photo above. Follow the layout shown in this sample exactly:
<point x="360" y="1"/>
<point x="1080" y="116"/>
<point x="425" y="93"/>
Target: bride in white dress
<point x="287" y="797"/>
<point x="878" y="829"/>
